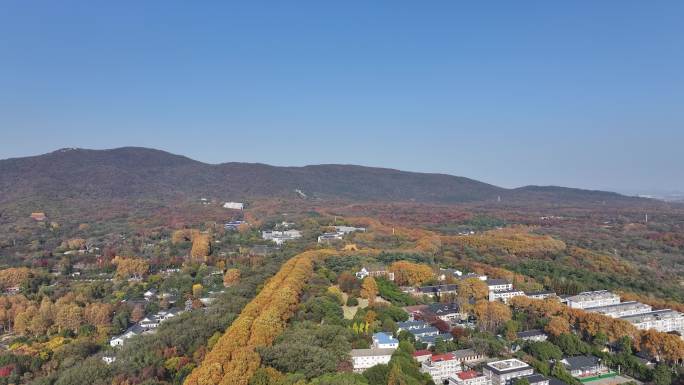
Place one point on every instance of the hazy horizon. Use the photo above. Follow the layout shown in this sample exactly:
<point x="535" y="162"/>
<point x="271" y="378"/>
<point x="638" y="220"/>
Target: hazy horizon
<point x="581" y="94"/>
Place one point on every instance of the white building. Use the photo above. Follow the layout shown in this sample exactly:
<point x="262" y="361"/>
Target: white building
<point x="496" y="284"/>
<point x="339" y="233"/>
<point x="349" y="229"/>
<point x="541" y="294"/>
<point x="108" y="359"/>
<point x="665" y="321"/>
<point x="505" y="295"/>
<point x="363" y="359"/>
<point x="622" y="309"/>
<point x="329" y="237"/>
<point x="592" y="299"/>
<point x="280" y="237"/>
<point x="504" y="372"/>
<point x="234" y="206"/>
<point x="131" y="332"/>
<point x="469" y="377"/>
<point x="441" y="366"/>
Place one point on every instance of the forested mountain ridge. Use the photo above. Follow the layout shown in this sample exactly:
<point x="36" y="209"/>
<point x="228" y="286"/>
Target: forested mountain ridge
<point x="141" y="173"/>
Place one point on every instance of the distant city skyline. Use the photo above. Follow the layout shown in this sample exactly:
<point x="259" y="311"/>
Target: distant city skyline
<point x="579" y="94"/>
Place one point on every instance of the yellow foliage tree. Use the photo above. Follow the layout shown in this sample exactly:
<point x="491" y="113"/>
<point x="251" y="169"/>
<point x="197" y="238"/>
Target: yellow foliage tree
<point x="491" y="315"/>
<point x="130" y="267"/>
<point x="369" y="289"/>
<point x="197" y="290"/>
<point x="201" y="247"/>
<point x="231" y="277"/>
<point x="408" y="273"/>
<point x="234" y="358"/>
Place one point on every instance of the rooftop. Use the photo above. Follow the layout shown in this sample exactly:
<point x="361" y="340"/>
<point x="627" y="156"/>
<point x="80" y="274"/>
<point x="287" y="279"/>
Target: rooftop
<point x="508" y="291"/>
<point x="497" y="281"/>
<point x="412" y="324"/>
<point x="443" y="308"/>
<point x="468" y="374"/>
<point x="591" y="295"/>
<point x="579" y="362"/>
<point x="621" y="305"/>
<point x="427" y="329"/>
<point x="437" y="288"/>
<point x="653" y="315"/>
<point x="423" y="352"/>
<point x="509" y="365"/>
<point x="384" y="338"/>
<point x="531" y="333"/>
<point x="442" y="357"/>
<point x="542" y="292"/>
<point x="464" y="353"/>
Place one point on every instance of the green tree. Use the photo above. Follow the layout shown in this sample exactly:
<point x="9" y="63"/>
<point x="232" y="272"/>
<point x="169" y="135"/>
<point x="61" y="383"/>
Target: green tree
<point x="662" y="375"/>
<point x="377" y="375"/>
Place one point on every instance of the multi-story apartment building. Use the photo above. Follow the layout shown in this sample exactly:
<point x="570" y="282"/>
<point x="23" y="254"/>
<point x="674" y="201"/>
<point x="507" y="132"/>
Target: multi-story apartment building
<point x="504" y="295"/>
<point x="504" y="372"/>
<point x="622" y="309"/>
<point x="592" y="299"/>
<point x="496" y="284"/>
<point x="665" y="320"/>
<point x="441" y="366"/>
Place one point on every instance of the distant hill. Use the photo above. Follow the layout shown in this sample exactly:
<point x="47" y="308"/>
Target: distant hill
<point x="133" y="173"/>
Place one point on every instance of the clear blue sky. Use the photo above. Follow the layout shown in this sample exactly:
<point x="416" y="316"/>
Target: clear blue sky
<point x="575" y="93"/>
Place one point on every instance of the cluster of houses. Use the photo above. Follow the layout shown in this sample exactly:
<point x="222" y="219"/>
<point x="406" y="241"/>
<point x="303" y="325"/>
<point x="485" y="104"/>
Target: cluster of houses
<point x="339" y="233"/>
<point x="147" y="325"/>
<point x="641" y="315"/>
<point x="506" y="372"/>
<point x="423" y="332"/>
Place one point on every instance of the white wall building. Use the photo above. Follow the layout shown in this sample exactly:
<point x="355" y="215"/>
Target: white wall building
<point x="622" y="309"/>
<point x="505" y="295"/>
<point x="363" y="359"/>
<point x="592" y="299"/>
<point x="504" y="372"/>
<point x="496" y="284"/>
<point x="665" y="321"/>
<point x="280" y="237"/>
<point x="234" y="206"/>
